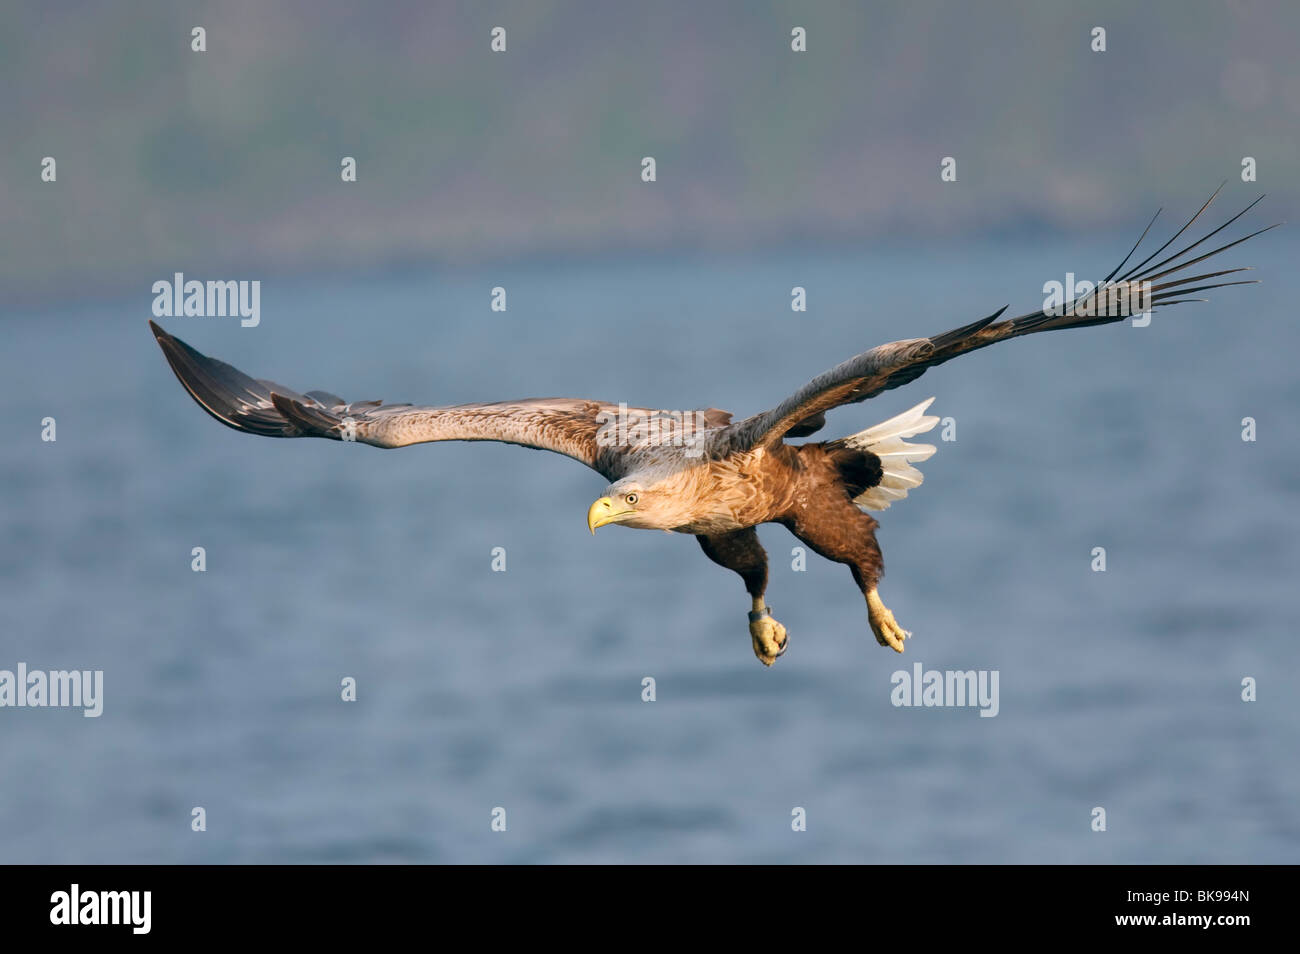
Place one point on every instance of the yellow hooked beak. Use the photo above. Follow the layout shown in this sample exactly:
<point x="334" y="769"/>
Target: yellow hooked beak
<point x="604" y="511"/>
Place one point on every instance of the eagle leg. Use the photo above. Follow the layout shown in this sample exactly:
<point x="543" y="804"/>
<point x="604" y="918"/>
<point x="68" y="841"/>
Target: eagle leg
<point x="766" y="634"/>
<point x="888" y="632"/>
<point x="866" y="573"/>
<point x="741" y="552"/>
<point x="839" y="530"/>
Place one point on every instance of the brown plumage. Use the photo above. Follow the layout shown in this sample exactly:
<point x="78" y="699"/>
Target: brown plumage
<point x="698" y="472"/>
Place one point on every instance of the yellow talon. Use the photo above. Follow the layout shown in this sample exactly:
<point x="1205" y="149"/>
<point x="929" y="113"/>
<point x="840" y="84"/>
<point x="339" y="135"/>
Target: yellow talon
<point x="768" y="636"/>
<point x="888" y="632"/>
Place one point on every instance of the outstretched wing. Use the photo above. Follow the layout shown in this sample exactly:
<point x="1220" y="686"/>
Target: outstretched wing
<point x="893" y="365"/>
<point x="569" y="426"/>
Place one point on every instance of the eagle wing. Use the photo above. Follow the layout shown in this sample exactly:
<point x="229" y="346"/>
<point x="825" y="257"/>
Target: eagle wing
<point x="586" y="431"/>
<point x="897" y="363"/>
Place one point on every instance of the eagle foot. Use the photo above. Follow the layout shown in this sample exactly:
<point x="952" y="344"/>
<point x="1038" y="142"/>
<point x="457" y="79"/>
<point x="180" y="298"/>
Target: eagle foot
<point x="768" y="636"/>
<point x="888" y="632"/>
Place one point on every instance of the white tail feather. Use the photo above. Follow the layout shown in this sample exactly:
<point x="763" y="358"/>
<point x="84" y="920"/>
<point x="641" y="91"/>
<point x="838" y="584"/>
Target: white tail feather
<point x="885" y="440"/>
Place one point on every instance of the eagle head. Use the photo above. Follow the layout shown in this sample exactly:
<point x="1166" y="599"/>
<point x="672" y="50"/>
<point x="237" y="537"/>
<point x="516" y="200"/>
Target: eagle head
<point x="634" y="504"/>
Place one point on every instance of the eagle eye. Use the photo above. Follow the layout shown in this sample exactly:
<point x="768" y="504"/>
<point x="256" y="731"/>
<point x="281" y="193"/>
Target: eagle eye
<point x="630" y="498"/>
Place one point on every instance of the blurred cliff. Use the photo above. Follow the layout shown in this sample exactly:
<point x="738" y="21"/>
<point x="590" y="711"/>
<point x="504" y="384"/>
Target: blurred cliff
<point x="230" y="158"/>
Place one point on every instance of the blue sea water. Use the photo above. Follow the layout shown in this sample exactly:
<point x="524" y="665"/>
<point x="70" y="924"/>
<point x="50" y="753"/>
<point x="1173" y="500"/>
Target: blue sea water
<point x="523" y="689"/>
